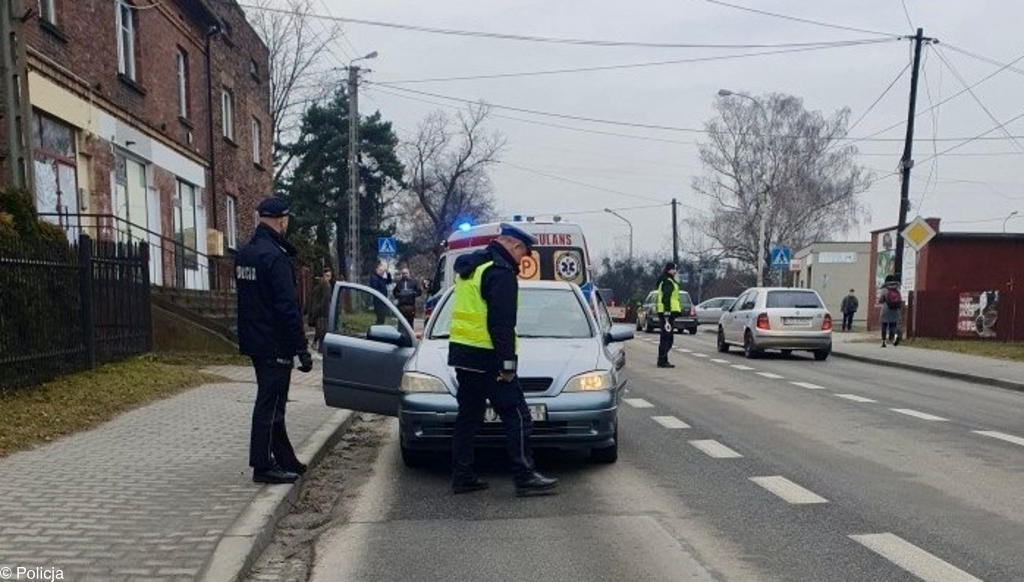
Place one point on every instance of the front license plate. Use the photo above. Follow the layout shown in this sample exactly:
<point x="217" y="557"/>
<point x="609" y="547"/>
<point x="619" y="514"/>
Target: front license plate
<point x="537" y="412"/>
<point x="797" y="321"/>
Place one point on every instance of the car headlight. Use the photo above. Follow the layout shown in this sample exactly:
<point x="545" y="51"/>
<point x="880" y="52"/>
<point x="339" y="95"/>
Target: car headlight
<point x="589" y="382"/>
<point x="416" y="382"/>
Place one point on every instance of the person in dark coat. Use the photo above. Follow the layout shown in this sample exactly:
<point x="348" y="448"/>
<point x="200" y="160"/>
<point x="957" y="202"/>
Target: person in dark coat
<point x="270" y="332"/>
<point x="849" y="308"/>
<point x="318" y="306"/>
<point x="669" y="306"/>
<point x="379" y="282"/>
<point x="891" y="311"/>
<point x="405" y="293"/>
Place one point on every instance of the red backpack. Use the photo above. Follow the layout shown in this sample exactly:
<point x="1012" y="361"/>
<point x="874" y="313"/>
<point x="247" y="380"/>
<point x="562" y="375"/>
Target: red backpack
<point x="893" y="299"/>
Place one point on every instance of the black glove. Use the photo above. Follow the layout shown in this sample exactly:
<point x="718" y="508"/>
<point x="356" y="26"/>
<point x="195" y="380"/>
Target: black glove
<point x="305" y="361"/>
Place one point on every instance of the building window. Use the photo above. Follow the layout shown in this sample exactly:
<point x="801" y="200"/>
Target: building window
<point x="257" y="158"/>
<point x="181" y="66"/>
<point x="232" y="216"/>
<point x="131" y="197"/>
<point x="53" y="159"/>
<point x="254" y="69"/>
<point x="185" y="226"/>
<point x="227" y="113"/>
<point x="125" y="40"/>
<point x="48" y="11"/>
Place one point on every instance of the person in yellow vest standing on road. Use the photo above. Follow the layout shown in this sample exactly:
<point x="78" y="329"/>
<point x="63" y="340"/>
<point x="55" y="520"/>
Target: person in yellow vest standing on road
<point x="669" y="306"/>
<point x="482" y="349"/>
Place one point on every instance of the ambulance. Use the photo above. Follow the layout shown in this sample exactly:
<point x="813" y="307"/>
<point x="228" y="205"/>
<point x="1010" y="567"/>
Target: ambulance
<point x="561" y="254"/>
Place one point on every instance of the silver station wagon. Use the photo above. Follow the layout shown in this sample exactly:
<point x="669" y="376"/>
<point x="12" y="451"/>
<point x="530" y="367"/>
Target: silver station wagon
<point x="778" y="318"/>
<point x="572" y="369"/>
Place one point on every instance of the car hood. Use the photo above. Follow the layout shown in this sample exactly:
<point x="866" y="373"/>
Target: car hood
<point x="558" y="359"/>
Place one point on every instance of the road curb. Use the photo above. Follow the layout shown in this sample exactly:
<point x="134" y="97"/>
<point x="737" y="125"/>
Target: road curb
<point x="998" y="382"/>
<point x="243" y="542"/>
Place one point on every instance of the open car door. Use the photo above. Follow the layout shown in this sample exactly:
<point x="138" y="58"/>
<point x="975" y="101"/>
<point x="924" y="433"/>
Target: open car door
<point x="365" y="350"/>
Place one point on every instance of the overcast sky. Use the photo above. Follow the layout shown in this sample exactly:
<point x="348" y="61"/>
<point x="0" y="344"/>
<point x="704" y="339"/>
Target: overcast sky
<point x="985" y="185"/>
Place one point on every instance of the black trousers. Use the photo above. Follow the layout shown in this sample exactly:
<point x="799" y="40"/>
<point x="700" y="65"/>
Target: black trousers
<point x="268" y="442"/>
<point x="848" y="321"/>
<point x="507" y="399"/>
<point x="667" y="338"/>
<point x="890" y="331"/>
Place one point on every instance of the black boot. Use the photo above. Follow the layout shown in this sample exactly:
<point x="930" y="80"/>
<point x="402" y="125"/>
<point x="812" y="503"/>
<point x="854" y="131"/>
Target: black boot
<point x="536" y="484"/>
<point x="469" y="485"/>
<point x="275" y="475"/>
<point x="666" y="364"/>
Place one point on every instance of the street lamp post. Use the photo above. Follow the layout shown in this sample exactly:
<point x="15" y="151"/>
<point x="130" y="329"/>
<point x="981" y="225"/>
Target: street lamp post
<point x="354" y="269"/>
<point x="630" y="224"/>
<point x="763" y="207"/>
<point x="1008" y="217"/>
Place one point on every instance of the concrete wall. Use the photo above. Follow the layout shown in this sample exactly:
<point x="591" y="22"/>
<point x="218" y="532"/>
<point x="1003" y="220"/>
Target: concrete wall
<point x="832" y="269"/>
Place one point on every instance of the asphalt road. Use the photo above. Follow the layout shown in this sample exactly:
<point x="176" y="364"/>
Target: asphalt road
<point x="729" y="469"/>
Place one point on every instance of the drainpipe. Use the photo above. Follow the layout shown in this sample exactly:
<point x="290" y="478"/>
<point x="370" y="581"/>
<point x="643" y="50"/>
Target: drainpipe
<point x="212" y="32"/>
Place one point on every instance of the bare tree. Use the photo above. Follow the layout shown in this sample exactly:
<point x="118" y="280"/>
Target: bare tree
<point x="773" y="156"/>
<point x="446" y="167"/>
<point x="297" y="55"/>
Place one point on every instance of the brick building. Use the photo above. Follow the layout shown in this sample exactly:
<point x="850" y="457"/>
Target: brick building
<point x="150" y="121"/>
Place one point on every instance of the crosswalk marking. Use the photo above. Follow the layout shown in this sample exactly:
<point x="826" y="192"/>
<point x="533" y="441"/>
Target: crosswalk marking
<point x="718" y="361"/>
<point x="855" y="398"/>
<point x="715" y="449"/>
<point x="683" y="350"/>
<point x="788" y="490"/>
<point x="918" y="414"/>
<point x="638" y="403"/>
<point x="913" y="559"/>
<point x="769" y="375"/>
<point x="1001" y="436"/>
<point x="698" y="355"/>
<point x="741" y="367"/>
<point x="808" y="385"/>
<point x="669" y="422"/>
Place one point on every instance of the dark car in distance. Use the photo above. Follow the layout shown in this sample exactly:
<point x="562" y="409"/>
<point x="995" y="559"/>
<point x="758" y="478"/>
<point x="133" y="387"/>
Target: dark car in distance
<point x="648" y="317"/>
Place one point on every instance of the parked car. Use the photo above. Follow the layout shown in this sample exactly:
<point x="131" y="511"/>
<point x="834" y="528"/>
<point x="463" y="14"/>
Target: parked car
<point x="785" y="319"/>
<point x="648" y="317"/>
<point x="572" y="369"/>
<point x="710" y="311"/>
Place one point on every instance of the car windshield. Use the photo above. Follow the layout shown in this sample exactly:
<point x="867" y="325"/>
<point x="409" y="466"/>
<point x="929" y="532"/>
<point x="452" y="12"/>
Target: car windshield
<point x="543" y="313"/>
<point x="794" y="299"/>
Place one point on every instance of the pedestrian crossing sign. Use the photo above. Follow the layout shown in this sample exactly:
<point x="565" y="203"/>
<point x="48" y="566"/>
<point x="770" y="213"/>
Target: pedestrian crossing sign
<point x="780" y="257"/>
<point x="386" y="246"/>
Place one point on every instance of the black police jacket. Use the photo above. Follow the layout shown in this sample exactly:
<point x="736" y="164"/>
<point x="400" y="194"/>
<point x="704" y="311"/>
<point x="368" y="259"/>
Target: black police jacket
<point x="500" y="290"/>
<point x="269" y="321"/>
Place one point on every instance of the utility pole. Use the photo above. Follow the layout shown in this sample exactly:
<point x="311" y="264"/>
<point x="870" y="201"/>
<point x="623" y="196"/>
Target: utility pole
<point x="353" y="174"/>
<point x="675" y="234"/>
<point x="16" y="156"/>
<point x="762" y="243"/>
<point x="907" y="161"/>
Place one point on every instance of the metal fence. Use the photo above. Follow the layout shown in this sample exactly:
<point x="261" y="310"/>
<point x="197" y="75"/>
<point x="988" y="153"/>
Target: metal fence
<point x="67" y="307"/>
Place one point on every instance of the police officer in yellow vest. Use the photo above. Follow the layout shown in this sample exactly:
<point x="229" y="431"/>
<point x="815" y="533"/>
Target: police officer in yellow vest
<point x="669" y="306"/>
<point x="483" y="352"/>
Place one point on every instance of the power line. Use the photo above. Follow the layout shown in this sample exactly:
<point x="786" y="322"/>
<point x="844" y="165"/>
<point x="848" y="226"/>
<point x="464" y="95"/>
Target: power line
<point x="635" y="65"/>
<point x="605" y="210"/>
<point x="1000" y="125"/>
<point x="983" y="58"/>
<point x="934" y="167"/>
<point x="907" y="14"/>
<point x="885" y="92"/>
<point x="539" y="39"/>
<point x="799" y="19"/>
<point x="576" y="182"/>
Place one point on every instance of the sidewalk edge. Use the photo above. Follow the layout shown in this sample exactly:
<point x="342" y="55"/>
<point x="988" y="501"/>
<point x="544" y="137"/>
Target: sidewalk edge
<point x="243" y="542"/>
<point x="998" y="382"/>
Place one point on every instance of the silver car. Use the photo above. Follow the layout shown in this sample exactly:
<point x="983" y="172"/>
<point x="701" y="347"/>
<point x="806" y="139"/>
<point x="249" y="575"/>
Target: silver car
<point x="710" y="311"/>
<point x="572" y="369"/>
<point x="785" y="319"/>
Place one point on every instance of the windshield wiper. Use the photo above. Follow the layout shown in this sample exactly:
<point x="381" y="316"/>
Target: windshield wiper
<point x="440" y="336"/>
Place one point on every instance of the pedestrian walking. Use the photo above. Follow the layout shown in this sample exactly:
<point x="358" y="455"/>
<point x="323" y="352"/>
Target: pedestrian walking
<point x="405" y="293"/>
<point x="380" y="280"/>
<point x="669" y="305"/>
<point x="270" y="332"/>
<point x="318" y="305"/>
<point x="482" y="350"/>
<point x="849" y="308"/>
<point x="892" y="305"/>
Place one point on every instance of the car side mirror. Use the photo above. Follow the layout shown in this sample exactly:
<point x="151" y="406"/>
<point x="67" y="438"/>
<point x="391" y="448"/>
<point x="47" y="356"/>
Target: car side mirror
<point x="387" y="334"/>
<point x="619" y="333"/>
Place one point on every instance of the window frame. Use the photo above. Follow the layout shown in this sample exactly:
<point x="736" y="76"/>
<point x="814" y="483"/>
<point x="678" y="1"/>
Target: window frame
<point x="181" y="70"/>
<point x="126" y="64"/>
<point x="231" y="212"/>
<point x="48" y="11"/>
<point x="257" y="142"/>
<point x="190" y="255"/>
<point x="227" y="113"/>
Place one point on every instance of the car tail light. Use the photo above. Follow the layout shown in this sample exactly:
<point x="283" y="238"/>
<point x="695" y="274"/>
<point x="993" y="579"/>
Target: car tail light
<point x="693" y="311"/>
<point x="826" y="324"/>
<point x="762" y="321"/>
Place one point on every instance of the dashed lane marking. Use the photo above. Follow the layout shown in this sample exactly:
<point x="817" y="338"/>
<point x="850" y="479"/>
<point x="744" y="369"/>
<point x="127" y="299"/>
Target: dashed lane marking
<point x="715" y="449"/>
<point x="855" y="398"/>
<point x="769" y="375"/>
<point x="808" y="385"/>
<point x="683" y="350"/>
<point x="699" y="355"/>
<point x="918" y="414"/>
<point x="913" y="559"/>
<point x="718" y="361"/>
<point x="670" y="422"/>
<point x="788" y="490"/>
<point x="638" y="403"/>
<point x="741" y="367"/>
<point x="1001" y="436"/>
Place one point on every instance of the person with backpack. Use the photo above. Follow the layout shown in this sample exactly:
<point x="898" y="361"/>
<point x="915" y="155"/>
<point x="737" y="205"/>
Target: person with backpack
<point x="891" y="301"/>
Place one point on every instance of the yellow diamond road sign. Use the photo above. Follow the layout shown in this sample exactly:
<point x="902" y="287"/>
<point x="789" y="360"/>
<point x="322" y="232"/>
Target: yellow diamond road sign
<point x="918" y="233"/>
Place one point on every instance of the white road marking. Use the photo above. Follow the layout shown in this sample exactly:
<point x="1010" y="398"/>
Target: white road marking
<point x="917" y="414"/>
<point x="913" y="559"/>
<point x="698" y="355"/>
<point x="669" y="422"/>
<point x="638" y="403"/>
<point x="808" y="385"/>
<point x="788" y="490"/>
<point x="683" y="350"/>
<point x="769" y="375"/>
<point x="1001" y="436"/>
<point x="719" y="361"/>
<point x="741" y="367"/>
<point x="855" y="398"/>
<point x="715" y="449"/>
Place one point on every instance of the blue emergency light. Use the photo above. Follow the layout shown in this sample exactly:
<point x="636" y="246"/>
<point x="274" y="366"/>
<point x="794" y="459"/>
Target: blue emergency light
<point x="465" y="226"/>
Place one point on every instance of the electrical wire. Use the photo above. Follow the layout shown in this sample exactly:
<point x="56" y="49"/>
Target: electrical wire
<point x="538" y="39"/>
<point x="934" y="167"/>
<point x="885" y="92"/>
<point x="799" y="19"/>
<point x="634" y="65"/>
<point x="576" y="182"/>
<point x="605" y="210"/>
<point x="907" y="14"/>
<point x="983" y="58"/>
<point x="999" y="126"/>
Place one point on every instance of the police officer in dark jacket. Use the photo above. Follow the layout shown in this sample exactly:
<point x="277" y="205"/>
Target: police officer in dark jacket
<point x="270" y="332"/>
<point x="483" y="352"/>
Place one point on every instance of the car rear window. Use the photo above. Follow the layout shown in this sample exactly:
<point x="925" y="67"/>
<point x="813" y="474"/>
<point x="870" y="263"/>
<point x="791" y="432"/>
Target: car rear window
<point x="684" y="300"/>
<point x="794" y="299"/>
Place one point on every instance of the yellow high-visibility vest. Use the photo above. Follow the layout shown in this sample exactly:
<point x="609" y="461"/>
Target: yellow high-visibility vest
<point x="469" y="315"/>
<point x="677" y="306"/>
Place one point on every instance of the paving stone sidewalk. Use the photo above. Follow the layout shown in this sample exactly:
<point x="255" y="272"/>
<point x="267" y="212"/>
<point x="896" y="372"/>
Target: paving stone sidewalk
<point x="148" y="494"/>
